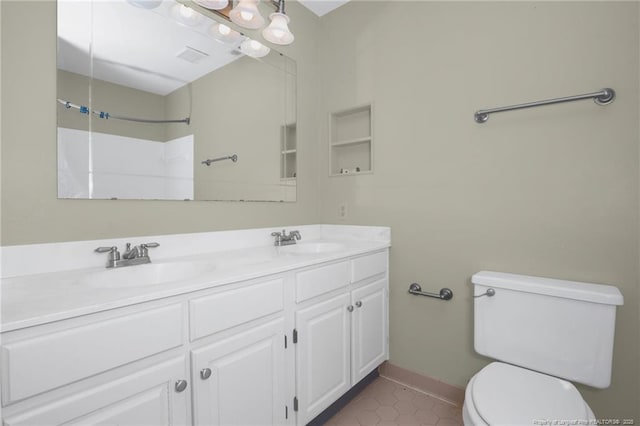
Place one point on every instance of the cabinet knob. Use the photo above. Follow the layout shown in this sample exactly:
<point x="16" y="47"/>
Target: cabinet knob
<point x="350" y="308"/>
<point x="181" y="385"/>
<point x="359" y="303"/>
<point x="205" y="373"/>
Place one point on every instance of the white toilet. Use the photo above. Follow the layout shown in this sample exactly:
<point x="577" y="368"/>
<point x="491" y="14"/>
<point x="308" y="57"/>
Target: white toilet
<point x="544" y="330"/>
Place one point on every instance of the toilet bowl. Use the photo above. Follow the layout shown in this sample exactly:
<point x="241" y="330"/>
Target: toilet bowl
<point x="545" y="333"/>
<point x="503" y="394"/>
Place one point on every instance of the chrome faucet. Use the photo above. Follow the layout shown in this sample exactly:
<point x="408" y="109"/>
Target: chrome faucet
<point x="131" y="253"/>
<point x="282" y="239"/>
<point x="137" y="255"/>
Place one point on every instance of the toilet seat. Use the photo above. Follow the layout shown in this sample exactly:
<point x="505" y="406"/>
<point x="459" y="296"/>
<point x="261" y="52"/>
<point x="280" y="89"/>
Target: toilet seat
<point x="503" y="394"/>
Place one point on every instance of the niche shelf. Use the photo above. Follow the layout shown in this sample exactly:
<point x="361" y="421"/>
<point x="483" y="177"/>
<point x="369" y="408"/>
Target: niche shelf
<point x="351" y="141"/>
<point x="288" y="152"/>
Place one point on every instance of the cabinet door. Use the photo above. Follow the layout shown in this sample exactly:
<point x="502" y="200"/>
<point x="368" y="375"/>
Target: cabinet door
<point x="241" y="380"/>
<point x="147" y="397"/>
<point x="369" y="343"/>
<point x="322" y="352"/>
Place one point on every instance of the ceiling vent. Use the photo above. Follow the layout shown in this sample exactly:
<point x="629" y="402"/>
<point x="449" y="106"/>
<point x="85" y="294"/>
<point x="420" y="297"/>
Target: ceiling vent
<point x="192" y="55"/>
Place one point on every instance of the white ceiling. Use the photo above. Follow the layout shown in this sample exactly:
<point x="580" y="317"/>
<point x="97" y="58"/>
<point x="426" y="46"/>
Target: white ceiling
<point x="322" y="7"/>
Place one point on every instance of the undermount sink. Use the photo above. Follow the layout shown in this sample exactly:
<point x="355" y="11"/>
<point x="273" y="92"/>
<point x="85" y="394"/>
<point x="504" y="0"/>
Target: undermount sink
<point x="146" y="275"/>
<point x="312" y="247"/>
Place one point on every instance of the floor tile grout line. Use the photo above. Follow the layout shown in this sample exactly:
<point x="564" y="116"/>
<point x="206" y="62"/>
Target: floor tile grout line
<point x="446" y="401"/>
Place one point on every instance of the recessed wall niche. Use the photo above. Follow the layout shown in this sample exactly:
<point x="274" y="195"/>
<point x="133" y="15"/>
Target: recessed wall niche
<point x="351" y="141"/>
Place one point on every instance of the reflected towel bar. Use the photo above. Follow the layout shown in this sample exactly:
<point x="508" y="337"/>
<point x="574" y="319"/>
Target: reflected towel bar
<point x="445" y="293"/>
<point x="603" y="97"/>
<point x="208" y="162"/>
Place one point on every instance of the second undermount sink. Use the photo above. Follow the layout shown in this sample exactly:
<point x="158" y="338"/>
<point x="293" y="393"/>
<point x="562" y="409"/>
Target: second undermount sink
<point x="313" y="247"/>
<point x="147" y="275"/>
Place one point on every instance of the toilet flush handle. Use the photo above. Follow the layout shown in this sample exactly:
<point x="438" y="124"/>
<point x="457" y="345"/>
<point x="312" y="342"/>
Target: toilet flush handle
<point x="489" y="293"/>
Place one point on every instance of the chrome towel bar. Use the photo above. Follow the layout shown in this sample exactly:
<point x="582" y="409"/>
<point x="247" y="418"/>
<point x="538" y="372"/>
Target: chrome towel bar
<point x="603" y="97"/>
<point x="445" y="293"/>
<point x="208" y="162"/>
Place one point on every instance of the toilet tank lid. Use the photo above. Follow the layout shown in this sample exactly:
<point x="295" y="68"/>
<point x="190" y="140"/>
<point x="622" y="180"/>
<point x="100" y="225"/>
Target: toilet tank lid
<point x="596" y="293"/>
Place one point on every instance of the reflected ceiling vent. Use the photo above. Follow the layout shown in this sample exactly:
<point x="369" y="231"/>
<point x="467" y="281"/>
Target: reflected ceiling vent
<point x="192" y="55"/>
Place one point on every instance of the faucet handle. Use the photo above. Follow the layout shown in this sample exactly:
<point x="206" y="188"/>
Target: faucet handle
<point x="279" y="237"/>
<point x="144" y="248"/>
<point x="114" y="254"/>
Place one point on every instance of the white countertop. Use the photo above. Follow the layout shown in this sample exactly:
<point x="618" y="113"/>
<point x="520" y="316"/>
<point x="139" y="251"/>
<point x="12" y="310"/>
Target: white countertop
<point x="30" y="300"/>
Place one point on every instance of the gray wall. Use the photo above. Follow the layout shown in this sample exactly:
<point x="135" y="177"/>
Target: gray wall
<point x="238" y="109"/>
<point x="550" y="191"/>
<point x="30" y="211"/>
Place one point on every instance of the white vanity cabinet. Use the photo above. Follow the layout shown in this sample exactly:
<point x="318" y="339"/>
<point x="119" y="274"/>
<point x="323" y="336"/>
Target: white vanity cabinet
<point x="341" y="333"/>
<point x="275" y="349"/>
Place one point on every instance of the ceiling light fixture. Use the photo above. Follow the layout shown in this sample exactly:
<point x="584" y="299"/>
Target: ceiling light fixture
<point x="278" y="30"/>
<point x="244" y="14"/>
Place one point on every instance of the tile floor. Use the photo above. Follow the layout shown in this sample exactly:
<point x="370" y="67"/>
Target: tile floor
<point x="385" y="402"/>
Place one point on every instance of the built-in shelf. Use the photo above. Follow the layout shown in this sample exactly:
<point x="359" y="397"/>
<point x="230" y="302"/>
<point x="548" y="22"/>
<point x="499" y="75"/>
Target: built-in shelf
<point x="288" y="152"/>
<point x="351" y="141"/>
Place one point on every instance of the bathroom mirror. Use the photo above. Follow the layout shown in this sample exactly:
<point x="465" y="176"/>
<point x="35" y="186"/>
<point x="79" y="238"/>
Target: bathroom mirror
<point x="157" y="100"/>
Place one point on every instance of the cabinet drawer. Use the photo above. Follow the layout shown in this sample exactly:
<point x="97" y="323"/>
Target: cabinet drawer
<point x="146" y="397"/>
<point x="211" y="314"/>
<point x="314" y="282"/>
<point x="368" y="266"/>
<point x="46" y="362"/>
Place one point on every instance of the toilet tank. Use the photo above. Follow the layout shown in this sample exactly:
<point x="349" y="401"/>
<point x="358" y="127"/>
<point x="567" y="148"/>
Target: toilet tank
<point x="557" y="327"/>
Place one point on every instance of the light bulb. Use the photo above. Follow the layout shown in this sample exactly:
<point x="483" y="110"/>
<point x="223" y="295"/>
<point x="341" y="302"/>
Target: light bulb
<point x="224" y="34"/>
<point x="278" y="31"/>
<point x="224" y="30"/>
<point x="186" y="12"/>
<point x="185" y="15"/>
<point x="246" y="14"/>
<point x="254" y="48"/>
